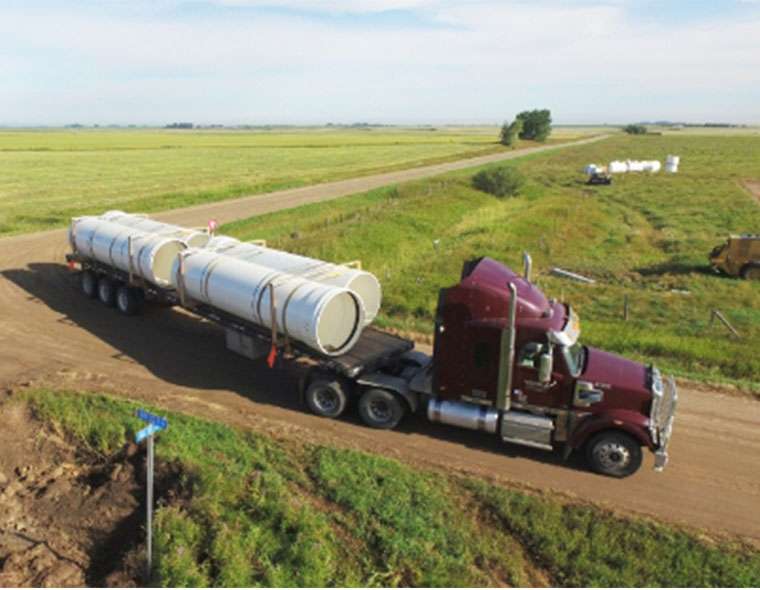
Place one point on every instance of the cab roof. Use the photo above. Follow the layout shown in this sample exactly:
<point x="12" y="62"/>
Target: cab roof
<point x="493" y="278"/>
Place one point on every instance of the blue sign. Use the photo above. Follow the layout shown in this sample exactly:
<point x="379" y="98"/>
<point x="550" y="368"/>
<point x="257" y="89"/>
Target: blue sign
<point x="152" y="419"/>
<point x="155" y="424"/>
<point x="149" y="430"/>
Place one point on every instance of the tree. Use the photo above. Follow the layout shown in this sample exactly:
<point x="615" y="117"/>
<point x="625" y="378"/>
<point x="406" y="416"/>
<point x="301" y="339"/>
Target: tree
<point x="510" y="131"/>
<point x="635" y="129"/>
<point x="536" y="124"/>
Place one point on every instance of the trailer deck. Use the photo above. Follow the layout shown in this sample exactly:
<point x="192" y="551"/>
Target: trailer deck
<point x="373" y="350"/>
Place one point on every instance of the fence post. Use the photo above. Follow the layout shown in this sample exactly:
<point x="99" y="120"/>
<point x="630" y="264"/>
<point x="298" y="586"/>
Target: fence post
<point x="717" y="314"/>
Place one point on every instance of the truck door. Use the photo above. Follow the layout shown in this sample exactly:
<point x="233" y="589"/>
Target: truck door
<point x="555" y="394"/>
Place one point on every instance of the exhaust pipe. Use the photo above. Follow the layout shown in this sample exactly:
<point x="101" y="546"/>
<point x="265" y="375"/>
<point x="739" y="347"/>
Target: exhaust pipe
<point x="527" y="266"/>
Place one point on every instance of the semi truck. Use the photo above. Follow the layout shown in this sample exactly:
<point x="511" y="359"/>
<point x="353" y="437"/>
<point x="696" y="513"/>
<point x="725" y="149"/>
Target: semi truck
<point x="506" y="360"/>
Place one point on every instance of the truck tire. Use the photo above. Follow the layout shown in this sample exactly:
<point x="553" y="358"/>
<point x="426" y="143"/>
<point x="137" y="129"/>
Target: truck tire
<point x="382" y="409"/>
<point x="326" y="397"/>
<point x="107" y="291"/>
<point x="89" y="284"/>
<point x="129" y="300"/>
<point x="751" y="271"/>
<point x="614" y="453"/>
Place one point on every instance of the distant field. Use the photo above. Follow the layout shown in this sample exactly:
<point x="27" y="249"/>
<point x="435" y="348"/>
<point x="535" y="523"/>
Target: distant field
<point x="46" y="177"/>
<point x="647" y="237"/>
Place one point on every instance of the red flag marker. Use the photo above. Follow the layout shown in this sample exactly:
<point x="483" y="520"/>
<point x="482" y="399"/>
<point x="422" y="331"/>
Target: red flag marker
<point x="272" y="356"/>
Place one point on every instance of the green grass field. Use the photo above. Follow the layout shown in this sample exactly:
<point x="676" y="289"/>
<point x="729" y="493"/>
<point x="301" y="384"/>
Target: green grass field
<point x="647" y="237"/>
<point x="46" y="177"/>
<point x="262" y="512"/>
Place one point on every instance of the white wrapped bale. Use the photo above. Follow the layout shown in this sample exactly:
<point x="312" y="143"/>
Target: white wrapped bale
<point x="671" y="164"/>
<point x="617" y="167"/>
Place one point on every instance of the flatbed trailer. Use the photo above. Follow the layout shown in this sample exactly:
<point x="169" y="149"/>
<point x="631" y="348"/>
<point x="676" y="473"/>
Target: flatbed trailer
<point x="374" y="351"/>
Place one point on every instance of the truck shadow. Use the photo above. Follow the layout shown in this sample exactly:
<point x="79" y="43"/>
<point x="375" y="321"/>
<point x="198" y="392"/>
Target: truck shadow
<point x="187" y="351"/>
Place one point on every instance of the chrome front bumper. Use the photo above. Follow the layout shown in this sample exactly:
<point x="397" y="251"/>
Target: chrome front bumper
<point x="665" y="399"/>
<point x="660" y="459"/>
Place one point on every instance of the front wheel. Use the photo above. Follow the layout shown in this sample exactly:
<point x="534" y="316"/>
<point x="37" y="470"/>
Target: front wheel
<point x="614" y="453"/>
<point x="379" y="408"/>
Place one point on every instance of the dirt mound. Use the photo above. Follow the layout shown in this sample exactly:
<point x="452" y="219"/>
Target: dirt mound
<point x="67" y="517"/>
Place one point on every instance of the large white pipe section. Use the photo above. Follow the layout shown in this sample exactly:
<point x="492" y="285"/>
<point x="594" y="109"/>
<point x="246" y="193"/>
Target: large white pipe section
<point x="191" y="237"/>
<point x="326" y="318"/>
<point x="153" y="256"/>
<point x="363" y="283"/>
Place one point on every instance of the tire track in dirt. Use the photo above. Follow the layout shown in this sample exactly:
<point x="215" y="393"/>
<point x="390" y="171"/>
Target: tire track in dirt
<point x="50" y="334"/>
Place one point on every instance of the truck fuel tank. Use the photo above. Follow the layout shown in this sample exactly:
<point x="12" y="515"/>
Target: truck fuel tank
<point x="464" y="415"/>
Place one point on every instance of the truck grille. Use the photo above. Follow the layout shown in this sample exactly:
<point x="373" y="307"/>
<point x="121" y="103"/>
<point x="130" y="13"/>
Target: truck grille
<point x="664" y="400"/>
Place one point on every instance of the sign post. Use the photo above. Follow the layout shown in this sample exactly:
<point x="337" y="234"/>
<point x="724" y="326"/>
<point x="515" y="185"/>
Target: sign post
<point x="155" y="425"/>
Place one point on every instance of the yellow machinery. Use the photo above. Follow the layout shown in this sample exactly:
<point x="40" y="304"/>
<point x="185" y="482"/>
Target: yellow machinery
<point x="738" y="257"/>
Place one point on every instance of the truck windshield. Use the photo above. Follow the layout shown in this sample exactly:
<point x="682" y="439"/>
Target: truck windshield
<point x="575" y="357"/>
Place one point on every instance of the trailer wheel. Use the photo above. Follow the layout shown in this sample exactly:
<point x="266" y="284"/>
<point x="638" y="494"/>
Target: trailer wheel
<point x="90" y="284"/>
<point x="614" y="453"/>
<point x="129" y="300"/>
<point x="326" y="397"/>
<point x="107" y="291"/>
<point x="379" y="408"/>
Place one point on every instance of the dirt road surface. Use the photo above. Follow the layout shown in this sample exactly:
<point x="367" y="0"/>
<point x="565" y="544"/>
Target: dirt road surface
<point x="49" y="333"/>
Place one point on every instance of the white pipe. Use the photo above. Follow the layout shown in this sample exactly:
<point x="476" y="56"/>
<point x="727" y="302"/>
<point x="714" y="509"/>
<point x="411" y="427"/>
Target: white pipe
<point x="192" y="237"/>
<point x="153" y="255"/>
<point x="326" y="318"/>
<point x="363" y="283"/>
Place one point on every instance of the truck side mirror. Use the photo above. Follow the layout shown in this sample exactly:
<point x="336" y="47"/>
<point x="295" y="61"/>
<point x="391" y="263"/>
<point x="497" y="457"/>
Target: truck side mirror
<point x="545" y="366"/>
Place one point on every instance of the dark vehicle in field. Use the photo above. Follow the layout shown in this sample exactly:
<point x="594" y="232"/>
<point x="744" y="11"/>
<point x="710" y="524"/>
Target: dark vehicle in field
<point x="506" y="360"/>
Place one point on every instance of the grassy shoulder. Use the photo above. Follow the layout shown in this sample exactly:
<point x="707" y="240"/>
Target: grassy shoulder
<point x="261" y="512"/>
<point x="47" y="177"/>
<point x="646" y="237"/>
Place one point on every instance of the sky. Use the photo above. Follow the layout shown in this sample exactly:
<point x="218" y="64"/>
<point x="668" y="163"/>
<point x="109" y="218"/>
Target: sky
<point x="381" y="61"/>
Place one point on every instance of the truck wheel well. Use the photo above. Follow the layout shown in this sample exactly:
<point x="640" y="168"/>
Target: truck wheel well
<point x="592" y="435"/>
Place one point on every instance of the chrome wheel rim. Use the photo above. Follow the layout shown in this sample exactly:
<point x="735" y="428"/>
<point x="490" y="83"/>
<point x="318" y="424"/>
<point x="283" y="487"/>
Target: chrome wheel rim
<point x="613" y="456"/>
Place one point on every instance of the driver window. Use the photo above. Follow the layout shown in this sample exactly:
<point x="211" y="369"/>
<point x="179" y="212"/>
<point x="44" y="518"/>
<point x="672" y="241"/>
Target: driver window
<point x="530" y="355"/>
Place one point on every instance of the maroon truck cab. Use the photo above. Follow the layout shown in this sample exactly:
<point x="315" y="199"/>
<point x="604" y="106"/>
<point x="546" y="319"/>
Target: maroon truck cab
<point x="520" y="363"/>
